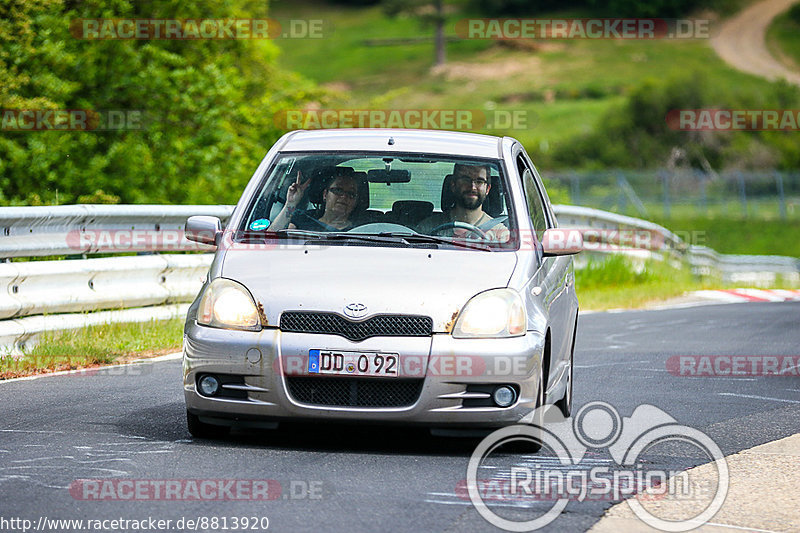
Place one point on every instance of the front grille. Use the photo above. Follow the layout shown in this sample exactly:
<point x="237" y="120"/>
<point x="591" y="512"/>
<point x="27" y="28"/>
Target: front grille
<point x="376" y="326"/>
<point x="355" y="392"/>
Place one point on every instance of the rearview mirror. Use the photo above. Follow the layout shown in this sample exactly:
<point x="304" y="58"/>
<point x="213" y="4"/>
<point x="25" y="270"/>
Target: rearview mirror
<point x="388" y="176"/>
<point x="557" y="241"/>
<point x="203" y="229"/>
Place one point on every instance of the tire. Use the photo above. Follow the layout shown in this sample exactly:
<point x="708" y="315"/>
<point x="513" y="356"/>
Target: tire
<point x="528" y="446"/>
<point x="536" y="447"/>
<point x="201" y="430"/>
<point x="565" y="403"/>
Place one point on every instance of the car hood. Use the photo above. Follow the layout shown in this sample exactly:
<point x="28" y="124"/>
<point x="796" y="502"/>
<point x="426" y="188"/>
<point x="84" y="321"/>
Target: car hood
<point x="435" y="283"/>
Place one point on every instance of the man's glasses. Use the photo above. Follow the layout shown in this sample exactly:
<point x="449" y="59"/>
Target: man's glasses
<point x="338" y="191"/>
<point x="466" y="180"/>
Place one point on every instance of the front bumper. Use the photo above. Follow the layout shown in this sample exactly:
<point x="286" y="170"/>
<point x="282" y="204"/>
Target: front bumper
<point x="449" y="371"/>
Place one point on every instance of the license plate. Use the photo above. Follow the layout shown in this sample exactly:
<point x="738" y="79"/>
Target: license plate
<point x="352" y="363"/>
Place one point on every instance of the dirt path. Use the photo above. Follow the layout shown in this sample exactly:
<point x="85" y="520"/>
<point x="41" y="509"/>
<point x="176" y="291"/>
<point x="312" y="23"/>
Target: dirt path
<point x="741" y="41"/>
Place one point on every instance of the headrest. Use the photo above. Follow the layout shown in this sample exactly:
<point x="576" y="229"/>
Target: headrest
<point x="415" y="209"/>
<point x="493" y="205"/>
<point x="448" y="200"/>
<point x="363" y="191"/>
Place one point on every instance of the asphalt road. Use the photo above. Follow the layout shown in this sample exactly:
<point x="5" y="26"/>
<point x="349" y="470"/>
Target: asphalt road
<point x="128" y="423"/>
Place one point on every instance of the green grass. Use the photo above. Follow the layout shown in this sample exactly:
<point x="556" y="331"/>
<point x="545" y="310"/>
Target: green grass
<point x="95" y="345"/>
<point x="733" y="235"/>
<point x="566" y="87"/>
<point x="613" y="283"/>
<point x="342" y="56"/>
<point x="783" y="40"/>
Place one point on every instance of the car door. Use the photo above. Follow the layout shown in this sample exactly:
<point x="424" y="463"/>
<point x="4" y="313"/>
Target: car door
<point x="552" y="277"/>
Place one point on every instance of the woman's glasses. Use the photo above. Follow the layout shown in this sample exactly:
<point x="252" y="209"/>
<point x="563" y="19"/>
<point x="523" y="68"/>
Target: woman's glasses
<point x="338" y="191"/>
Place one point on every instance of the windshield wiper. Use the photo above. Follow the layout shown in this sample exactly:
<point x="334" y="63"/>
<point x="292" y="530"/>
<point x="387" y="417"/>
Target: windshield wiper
<point x="336" y="236"/>
<point x="344" y="236"/>
<point x="294" y="233"/>
<point x="421" y="238"/>
<point x="387" y="237"/>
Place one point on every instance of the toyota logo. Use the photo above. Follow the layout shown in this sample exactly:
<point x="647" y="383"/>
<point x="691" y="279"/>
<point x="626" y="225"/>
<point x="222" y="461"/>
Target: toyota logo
<point x="355" y="310"/>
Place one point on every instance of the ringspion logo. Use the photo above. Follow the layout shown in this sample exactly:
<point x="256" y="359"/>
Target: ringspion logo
<point x="574" y="475"/>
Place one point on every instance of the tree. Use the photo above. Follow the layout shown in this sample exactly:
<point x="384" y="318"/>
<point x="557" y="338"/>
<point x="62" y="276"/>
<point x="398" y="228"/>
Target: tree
<point x="428" y="15"/>
<point x="207" y="105"/>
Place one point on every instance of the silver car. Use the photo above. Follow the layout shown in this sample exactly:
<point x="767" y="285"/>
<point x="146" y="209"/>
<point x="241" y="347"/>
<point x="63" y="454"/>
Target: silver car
<point x="394" y="276"/>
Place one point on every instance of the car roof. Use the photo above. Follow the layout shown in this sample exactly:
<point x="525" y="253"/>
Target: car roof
<point x="395" y="140"/>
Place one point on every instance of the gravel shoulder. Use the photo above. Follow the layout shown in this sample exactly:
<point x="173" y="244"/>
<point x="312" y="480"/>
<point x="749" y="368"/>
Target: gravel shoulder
<point x="741" y="41"/>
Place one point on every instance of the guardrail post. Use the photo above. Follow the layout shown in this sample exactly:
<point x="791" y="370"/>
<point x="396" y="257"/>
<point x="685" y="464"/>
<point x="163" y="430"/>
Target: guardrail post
<point x="664" y="175"/>
<point x="576" y="189"/>
<point x="622" y="202"/>
<point x="781" y="197"/>
<point x="703" y="196"/>
<point x="742" y="192"/>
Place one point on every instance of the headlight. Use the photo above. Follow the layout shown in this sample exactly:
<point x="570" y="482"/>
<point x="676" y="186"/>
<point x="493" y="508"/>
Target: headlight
<point x="227" y="304"/>
<point x="494" y="313"/>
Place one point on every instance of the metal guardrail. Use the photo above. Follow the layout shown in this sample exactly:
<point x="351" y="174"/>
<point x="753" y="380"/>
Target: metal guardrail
<point x="756" y="269"/>
<point x="49" y="287"/>
<point x="571" y="216"/>
<point x="92" y="229"/>
<point x="55" y="295"/>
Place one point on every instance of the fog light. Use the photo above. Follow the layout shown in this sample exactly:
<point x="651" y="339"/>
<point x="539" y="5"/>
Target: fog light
<point x="504" y="396"/>
<point x="209" y="385"/>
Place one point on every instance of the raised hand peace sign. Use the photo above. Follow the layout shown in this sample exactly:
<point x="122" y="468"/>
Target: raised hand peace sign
<point x="296" y="191"/>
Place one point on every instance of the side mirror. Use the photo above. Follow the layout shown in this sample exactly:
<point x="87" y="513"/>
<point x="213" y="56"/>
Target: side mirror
<point x="557" y="241"/>
<point x="203" y="229"/>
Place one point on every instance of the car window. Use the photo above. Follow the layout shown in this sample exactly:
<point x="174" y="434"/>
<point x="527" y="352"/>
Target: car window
<point x="533" y="197"/>
<point x="439" y="196"/>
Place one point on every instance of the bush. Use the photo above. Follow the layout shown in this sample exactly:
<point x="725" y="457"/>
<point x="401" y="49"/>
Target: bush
<point x="608" y="8"/>
<point x="794" y="14"/>
<point x="207" y="105"/>
<point x="637" y="135"/>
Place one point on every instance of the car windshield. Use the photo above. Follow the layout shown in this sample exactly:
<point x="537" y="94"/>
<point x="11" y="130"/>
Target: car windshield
<point x="384" y="199"/>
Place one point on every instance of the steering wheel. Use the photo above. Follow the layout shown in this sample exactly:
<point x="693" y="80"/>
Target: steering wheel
<point x="380" y="227"/>
<point x="303" y="220"/>
<point x="460" y="225"/>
